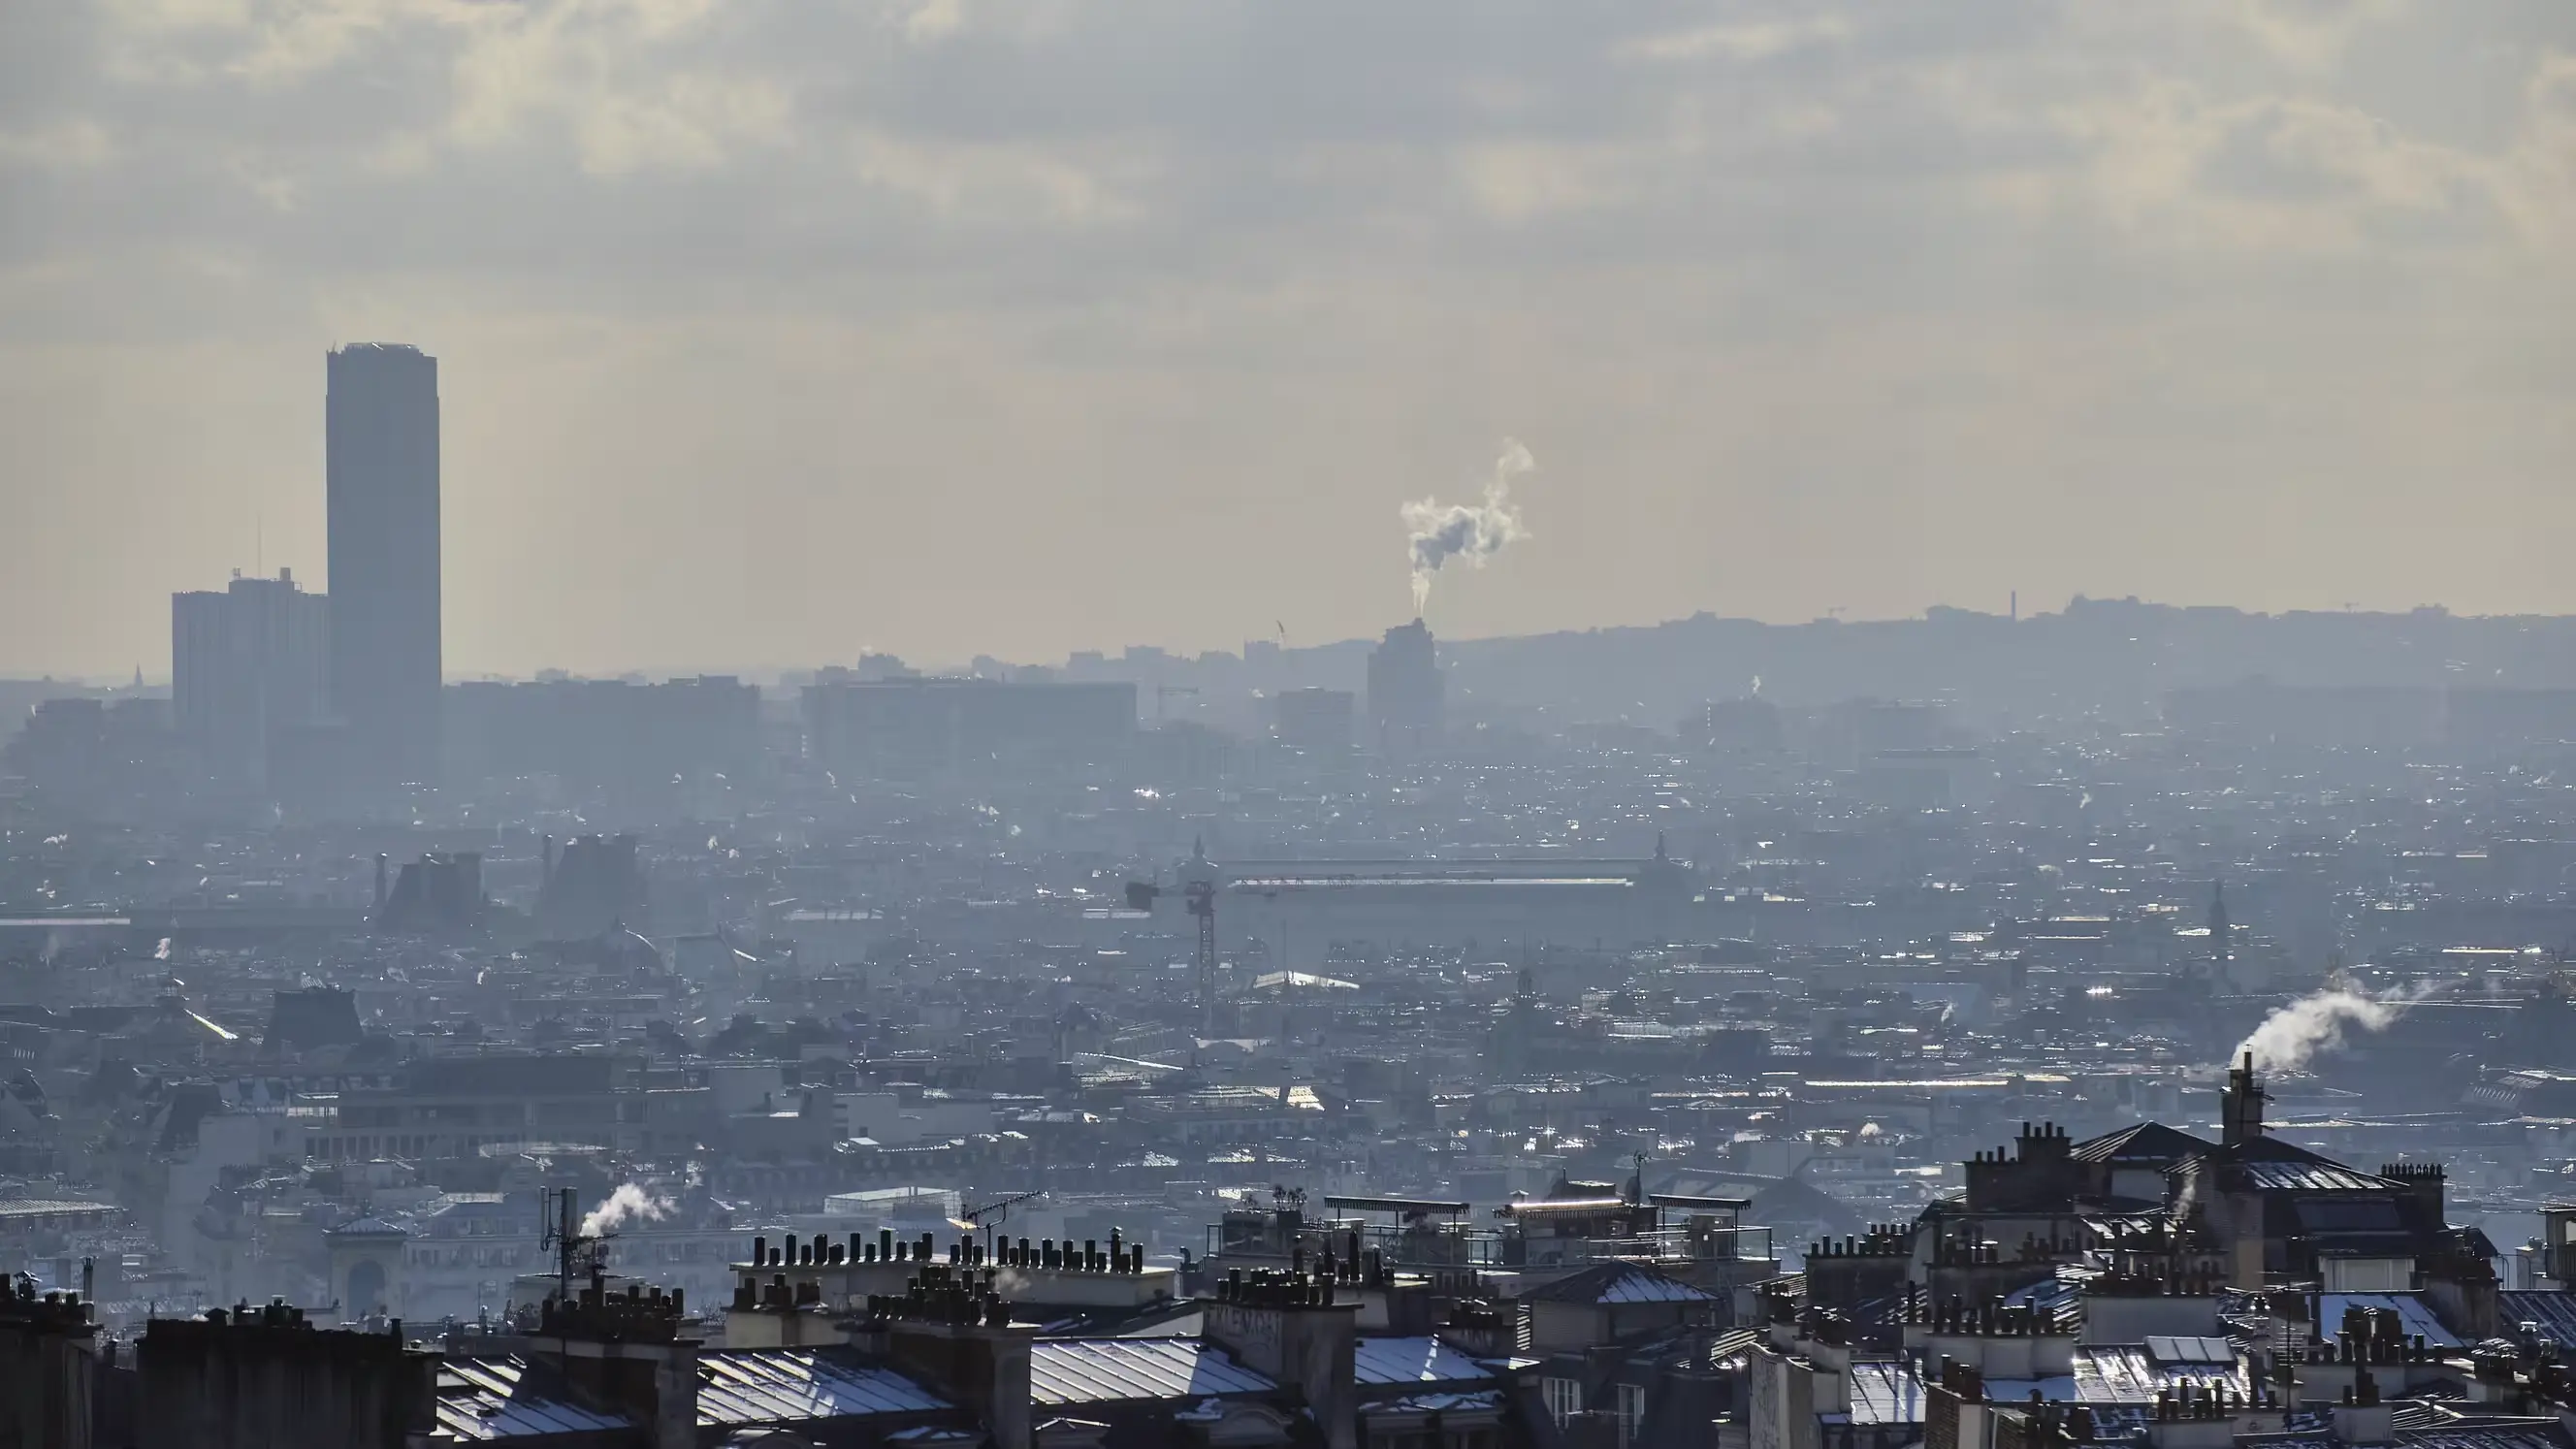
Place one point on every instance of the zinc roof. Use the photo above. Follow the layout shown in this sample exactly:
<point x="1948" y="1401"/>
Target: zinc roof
<point x="1108" y="1370"/>
<point x="2414" y="1315"/>
<point x="1413" y="1361"/>
<point x="783" y="1385"/>
<point x="1885" y="1393"/>
<point x="486" y="1398"/>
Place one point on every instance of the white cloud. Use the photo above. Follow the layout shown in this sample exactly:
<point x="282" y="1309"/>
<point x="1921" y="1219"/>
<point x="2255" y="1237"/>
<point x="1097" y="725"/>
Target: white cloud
<point x="63" y="144"/>
<point x="1748" y="41"/>
<point x="933" y="20"/>
<point x="1000" y="184"/>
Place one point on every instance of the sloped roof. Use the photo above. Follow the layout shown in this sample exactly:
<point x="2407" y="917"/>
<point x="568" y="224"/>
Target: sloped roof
<point x="368" y="1227"/>
<point x="1109" y="1370"/>
<point x="788" y="1385"/>
<point x="1616" y="1283"/>
<point x="1414" y="1361"/>
<point x="503" y="1398"/>
<point x="2144" y="1142"/>
<point x="2414" y="1315"/>
<point x="2553" y="1313"/>
<point x="1885" y="1392"/>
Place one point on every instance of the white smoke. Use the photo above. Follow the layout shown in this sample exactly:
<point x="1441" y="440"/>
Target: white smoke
<point x="1472" y="531"/>
<point x="629" y="1203"/>
<point x="2316" y="1022"/>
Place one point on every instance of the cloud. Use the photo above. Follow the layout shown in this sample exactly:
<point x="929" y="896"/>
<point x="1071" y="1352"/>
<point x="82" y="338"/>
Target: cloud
<point x="64" y="144"/>
<point x="934" y="20"/>
<point x="967" y="182"/>
<point x="2046" y="255"/>
<point x="1756" y="40"/>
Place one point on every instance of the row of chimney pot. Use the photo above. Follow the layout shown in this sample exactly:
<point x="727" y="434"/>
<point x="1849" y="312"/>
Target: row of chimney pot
<point x="596" y="1313"/>
<point x="1882" y="1241"/>
<point x="2154" y="1283"/>
<point x="1119" y="1257"/>
<point x="1264" y="1288"/>
<point x="1988" y="1320"/>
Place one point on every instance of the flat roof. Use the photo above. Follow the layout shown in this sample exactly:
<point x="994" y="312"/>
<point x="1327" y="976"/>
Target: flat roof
<point x="1394" y="1204"/>
<point x="1687" y="1200"/>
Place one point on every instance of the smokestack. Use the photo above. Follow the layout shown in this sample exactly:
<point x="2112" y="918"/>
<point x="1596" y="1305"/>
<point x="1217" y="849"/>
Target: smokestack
<point x="2240" y="1108"/>
<point x="380" y="882"/>
<point x="546" y="860"/>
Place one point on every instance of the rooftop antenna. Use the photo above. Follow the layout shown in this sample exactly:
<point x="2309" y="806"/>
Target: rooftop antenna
<point x="563" y="1237"/>
<point x="993" y="1214"/>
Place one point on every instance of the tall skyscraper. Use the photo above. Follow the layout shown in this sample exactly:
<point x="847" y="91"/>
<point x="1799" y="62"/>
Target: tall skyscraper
<point x="1405" y="695"/>
<point x="246" y="668"/>
<point x="382" y="446"/>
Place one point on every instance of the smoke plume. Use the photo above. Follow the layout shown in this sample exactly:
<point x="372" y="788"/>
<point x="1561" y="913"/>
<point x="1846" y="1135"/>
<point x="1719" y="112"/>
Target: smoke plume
<point x="1472" y="531"/>
<point x="629" y="1203"/>
<point x="2316" y="1022"/>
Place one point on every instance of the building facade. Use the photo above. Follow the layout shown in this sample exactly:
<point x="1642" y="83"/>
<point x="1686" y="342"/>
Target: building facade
<point x="382" y="458"/>
<point x="246" y="666"/>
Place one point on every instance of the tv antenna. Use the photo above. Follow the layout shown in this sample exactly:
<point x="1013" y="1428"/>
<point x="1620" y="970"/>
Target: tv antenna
<point x="993" y="1214"/>
<point x="575" y="1251"/>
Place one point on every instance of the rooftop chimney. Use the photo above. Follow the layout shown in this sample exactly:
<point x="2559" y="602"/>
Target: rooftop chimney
<point x="2240" y="1109"/>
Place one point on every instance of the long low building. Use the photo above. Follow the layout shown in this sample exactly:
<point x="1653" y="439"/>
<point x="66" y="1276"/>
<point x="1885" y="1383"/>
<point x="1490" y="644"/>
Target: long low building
<point x="1306" y="912"/>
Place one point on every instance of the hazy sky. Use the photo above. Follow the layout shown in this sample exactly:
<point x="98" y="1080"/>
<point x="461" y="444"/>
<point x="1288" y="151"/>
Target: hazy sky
<point x="770" y="330"/>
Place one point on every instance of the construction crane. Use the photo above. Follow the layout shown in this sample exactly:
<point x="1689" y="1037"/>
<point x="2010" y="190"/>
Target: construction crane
<point x="1199" y="895"/>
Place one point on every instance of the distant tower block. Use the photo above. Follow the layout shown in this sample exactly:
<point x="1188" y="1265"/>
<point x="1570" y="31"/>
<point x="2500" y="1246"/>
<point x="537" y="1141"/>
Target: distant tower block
<point x="1406" y="696"/>
<point x="381" y="456"/>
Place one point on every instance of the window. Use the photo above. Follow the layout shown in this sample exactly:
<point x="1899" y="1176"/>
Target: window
<point x="1630" y="1410"/>
<point x="1564" y="1398"/>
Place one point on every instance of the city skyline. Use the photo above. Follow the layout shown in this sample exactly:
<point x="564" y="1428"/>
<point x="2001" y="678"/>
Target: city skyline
<point x="2249" y="304"/>
<point x="1288" y="724"/>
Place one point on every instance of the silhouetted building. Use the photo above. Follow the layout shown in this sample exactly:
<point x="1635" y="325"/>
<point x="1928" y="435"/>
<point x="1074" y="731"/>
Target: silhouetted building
<point x="1315" y="721"/>
<point x="603" y="731"/>
<point x="902" y="726"/>
<point x="382" y="448"/>
<point x="95" y="755"/>
<point x="315" y="1016"/>
<point x="438" y="894"/>
<point x="1405" y="695"/>
<point x="247" y="666"/>
<point x="265" y="1378"/>
<point x="2350" y="716"/>
<point x="49" y="1368"/>
<point x="1750" y="725"/>
<point x="595" y="887"/>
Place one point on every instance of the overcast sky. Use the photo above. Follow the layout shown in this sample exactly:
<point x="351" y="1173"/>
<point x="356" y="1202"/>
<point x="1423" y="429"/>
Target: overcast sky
<point x="771" y="330"/>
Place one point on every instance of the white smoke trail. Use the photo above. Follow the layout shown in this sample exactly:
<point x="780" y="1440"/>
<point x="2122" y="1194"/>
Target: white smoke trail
<point x="1472" y="531"/>
<point x="629" y="1203"/>
<point x="2316" y="1022"/>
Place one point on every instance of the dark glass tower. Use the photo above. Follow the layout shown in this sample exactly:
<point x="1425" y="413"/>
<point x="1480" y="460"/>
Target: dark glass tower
<point x="382" y="445"/>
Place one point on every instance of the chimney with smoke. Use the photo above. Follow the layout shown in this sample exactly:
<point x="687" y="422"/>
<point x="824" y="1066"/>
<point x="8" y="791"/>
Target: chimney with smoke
<point x="1473" y="531"/>
<point x="2240" y="1107"/>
